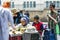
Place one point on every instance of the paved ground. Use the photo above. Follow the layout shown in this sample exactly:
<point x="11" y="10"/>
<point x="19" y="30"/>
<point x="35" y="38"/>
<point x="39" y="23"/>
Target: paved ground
<point x="58" y="37"/>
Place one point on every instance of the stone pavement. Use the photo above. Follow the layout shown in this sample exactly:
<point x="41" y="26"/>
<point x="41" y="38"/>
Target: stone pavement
<point x="58" y="37"/>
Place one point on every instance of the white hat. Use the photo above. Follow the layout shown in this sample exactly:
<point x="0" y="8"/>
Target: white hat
<point x="23" y="19"/>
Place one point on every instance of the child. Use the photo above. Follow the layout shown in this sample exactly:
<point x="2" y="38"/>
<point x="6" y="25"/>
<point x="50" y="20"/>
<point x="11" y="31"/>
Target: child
<point x="38" y="25"/>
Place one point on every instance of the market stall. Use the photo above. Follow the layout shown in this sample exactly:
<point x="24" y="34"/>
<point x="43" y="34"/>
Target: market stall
<point x="29" y="33"/>
<point x="15" y="35"/>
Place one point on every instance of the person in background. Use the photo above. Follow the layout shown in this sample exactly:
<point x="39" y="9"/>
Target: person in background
<point x="59" y="21"/>
<point x="52" y="19"/>
<point x="5" y="18"/>
<point x="19" y="16"/>
<point x="26" y="13"/>
<point x="27" y="18"/>
<point x="38" y="25"/>
<point x="15" y="17"/>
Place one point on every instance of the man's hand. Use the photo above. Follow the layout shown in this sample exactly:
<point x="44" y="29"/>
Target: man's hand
<point x="14" y="28"/>
<point x="55" y="21"/>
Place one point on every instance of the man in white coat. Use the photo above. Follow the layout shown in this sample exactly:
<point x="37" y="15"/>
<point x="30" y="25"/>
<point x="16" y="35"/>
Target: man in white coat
<point x="5" y="17"/>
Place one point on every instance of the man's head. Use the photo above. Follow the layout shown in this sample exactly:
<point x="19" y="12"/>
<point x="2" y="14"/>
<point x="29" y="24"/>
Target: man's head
<point x="36" y="19"/>
<point x="6" y="4"/>
<point x="52" y="6"/>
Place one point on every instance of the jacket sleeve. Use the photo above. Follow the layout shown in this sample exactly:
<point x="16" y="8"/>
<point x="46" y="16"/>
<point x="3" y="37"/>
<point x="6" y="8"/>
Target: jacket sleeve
<point x="42" y="27"/>
<point x="10" y="18"/>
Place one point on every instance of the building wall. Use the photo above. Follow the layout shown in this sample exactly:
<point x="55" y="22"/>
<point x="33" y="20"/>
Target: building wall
<point x="19" y="5"/>
<point x="41" y="14"/>
<point x="40" y="9"/>
<point x="57" y="3"/>
<point x="40" y="4"/>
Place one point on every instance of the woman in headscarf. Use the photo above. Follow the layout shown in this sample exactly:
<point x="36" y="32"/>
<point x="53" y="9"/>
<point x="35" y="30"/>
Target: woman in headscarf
<point x="27" y="18"/>
<point x="23" y="23"/>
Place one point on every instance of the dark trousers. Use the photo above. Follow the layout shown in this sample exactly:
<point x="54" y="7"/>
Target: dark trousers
<point x="54" y="32"/>
<point x="50" y="35"/>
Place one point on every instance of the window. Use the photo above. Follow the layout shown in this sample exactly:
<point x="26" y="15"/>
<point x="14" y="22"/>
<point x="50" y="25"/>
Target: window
<point x="0" y="2"/>
<point x="27" y="4"/>
<point x="57" y="4"/>
<point x="12" y="4"/>
<point x="34" y="4"/>
<point x="50" y="2"/>
<point x="54" y="3"/>
<point x="59" y="11"/>
<point x="47" y="5"/>
<point x="24" y="5"/>
<point x="30" y="4"/>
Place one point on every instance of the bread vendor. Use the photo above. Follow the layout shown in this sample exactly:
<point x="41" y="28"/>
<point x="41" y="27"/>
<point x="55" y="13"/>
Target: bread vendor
<point x="23" y="23"/>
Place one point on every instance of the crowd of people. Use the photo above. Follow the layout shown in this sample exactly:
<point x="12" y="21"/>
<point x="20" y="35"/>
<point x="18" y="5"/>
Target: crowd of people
<point x="18" y="15"/>
<point x="23" y="20"/>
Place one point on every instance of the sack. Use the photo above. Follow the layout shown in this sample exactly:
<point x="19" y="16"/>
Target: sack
<point x="57" y="29"/>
